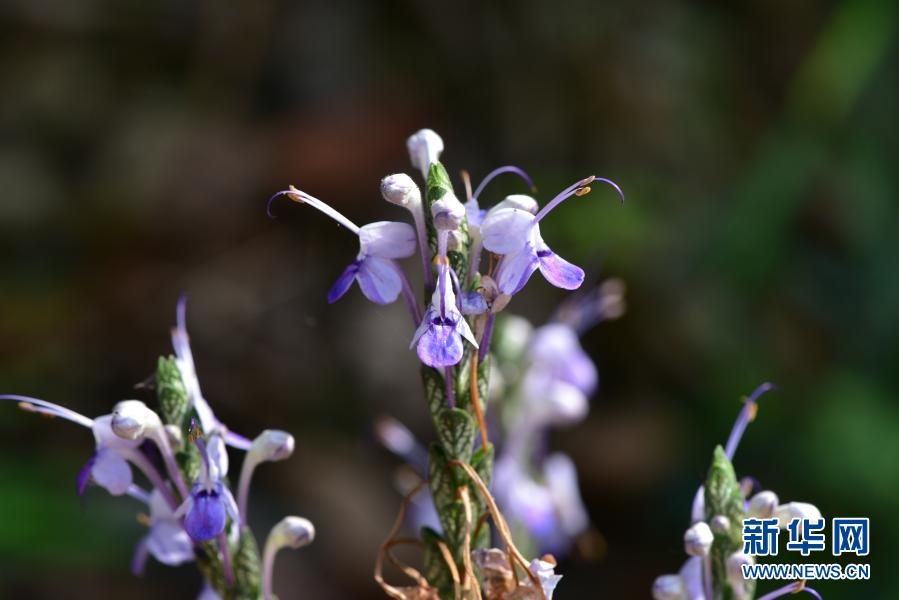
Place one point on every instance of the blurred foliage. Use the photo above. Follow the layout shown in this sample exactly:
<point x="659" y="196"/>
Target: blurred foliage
<point x="756" y="143"/>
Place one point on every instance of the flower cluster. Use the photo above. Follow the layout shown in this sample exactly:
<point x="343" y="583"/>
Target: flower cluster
<point x="474" y="260"/>
<point x="714" y="569"/>
<point x="182" y="453"/>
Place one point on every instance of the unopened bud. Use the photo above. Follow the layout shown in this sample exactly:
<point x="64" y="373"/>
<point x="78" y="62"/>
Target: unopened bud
<point x="734" y="570"/>
<point x="796" y="510"/>
<point x="293" y="532"/>
<point x="131" y="419"/>
<point x="448" y="212"/>
<point x="698" y="539"/>
<point x="272" y="445"/>
<point x="763" y="505"/>
<point x="425" y="147"/>
<point x="399" y="189"/>
<point x="669" y="587"/>
<point x="720" y="524"/>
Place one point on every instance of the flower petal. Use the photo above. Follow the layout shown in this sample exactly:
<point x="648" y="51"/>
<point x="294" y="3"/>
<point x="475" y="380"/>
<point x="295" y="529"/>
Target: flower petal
<point x="387" y="239"/>
<point x="343" y="283"/>
<point x="515" y="270"/>
<point x="169" y="543"/>
<point x="218" y="457"/>
<point x="560" y="476"/>
<point x="111" y="472"/>
<point x="379" y="280"/>
<point x="555" y="348"/>
<point x="559" y="271"/>
<point x="206" y="517"/>
<point x="440" y="346"/>
<point x="506" y="229"/>
<point x="84" y="475"/>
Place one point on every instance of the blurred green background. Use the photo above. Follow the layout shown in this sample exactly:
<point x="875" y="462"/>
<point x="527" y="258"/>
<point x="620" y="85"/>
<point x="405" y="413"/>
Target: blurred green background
<point x="756" y="143"/>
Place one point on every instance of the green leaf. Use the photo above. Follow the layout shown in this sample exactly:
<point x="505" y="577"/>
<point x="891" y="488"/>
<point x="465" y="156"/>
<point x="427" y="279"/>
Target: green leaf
<point x="210" y="565"/>
<point x="439" y="183"/>
<point x="724" y="497"/>
<point x="189" y="462"/>
<point x="435" y="569"/>
<point x="441" y="478"/>
<point x="174" y="401"/>
<point x="248" y="582"/>
<point x="456" y="431"/>
<point x="435" y="391"/>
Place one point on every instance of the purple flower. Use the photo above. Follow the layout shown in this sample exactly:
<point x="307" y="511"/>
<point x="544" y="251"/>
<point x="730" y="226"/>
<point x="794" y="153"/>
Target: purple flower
<point x="207" y="515"/>
<point x="556" y="350"/>
<point x="380" y="245"/>
<point x="512" y="229"/>
<point x="438" y="338"/>
<point x="167" y="540"/>
<point x="375" y="269"/>
<point x="551" y="510"/>
<point x="210" y="503"/>
<point x="108" y="467"/>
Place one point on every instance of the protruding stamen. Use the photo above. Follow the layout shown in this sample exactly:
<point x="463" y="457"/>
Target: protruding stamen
<point x="574" y="190"/>
<point x="747" y="414"/>
<point x="300" y="197"/>
<point x="499" y="171"/>
<point x="43" y="407"/>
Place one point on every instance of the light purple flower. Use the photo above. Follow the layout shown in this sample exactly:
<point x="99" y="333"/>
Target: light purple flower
<point x="438" y="339"/>
<point x="513" y="231"/>
<point x="108" y="467"/>
<point x="210" y="503"/>
<point x="556" y="348"/>
<point x="551" y="510"/>
<point x="167" y="541"/>
<point x="380" y="245"/>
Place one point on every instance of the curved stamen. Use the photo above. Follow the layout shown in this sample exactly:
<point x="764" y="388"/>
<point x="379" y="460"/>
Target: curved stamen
<point x="300" y="197"/>
<point x="499" y="171"/>
<point x="747" y="414"/>
<point x="43" y="407"/>
<point x="575" y="189"/>
<point x="790" y="588"/>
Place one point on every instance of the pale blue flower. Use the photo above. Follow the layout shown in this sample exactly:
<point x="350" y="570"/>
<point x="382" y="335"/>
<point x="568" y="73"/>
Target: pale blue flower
<point x="512" y="230"/>
<point x="380" y="245"/>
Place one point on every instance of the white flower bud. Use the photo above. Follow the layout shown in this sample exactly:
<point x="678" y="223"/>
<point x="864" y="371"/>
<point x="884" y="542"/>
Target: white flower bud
<point x="399" y="189"/>
<point x="669" y="587"/>
<point x="131" y="419"/>
<point x="448" y="212"/>
<point x="271" y="445"/>
<point x="734" y="569"/>
<point x="425" y="147"/>
<point x="763" y="505"/>
<point x="795" y="510"/>
<point x="720" y="524"/>
<point x="698" y="539"/>
<point x="293" y="532"/>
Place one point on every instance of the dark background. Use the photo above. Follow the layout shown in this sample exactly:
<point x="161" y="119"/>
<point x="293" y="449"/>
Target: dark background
<point x="756" y="144"/>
